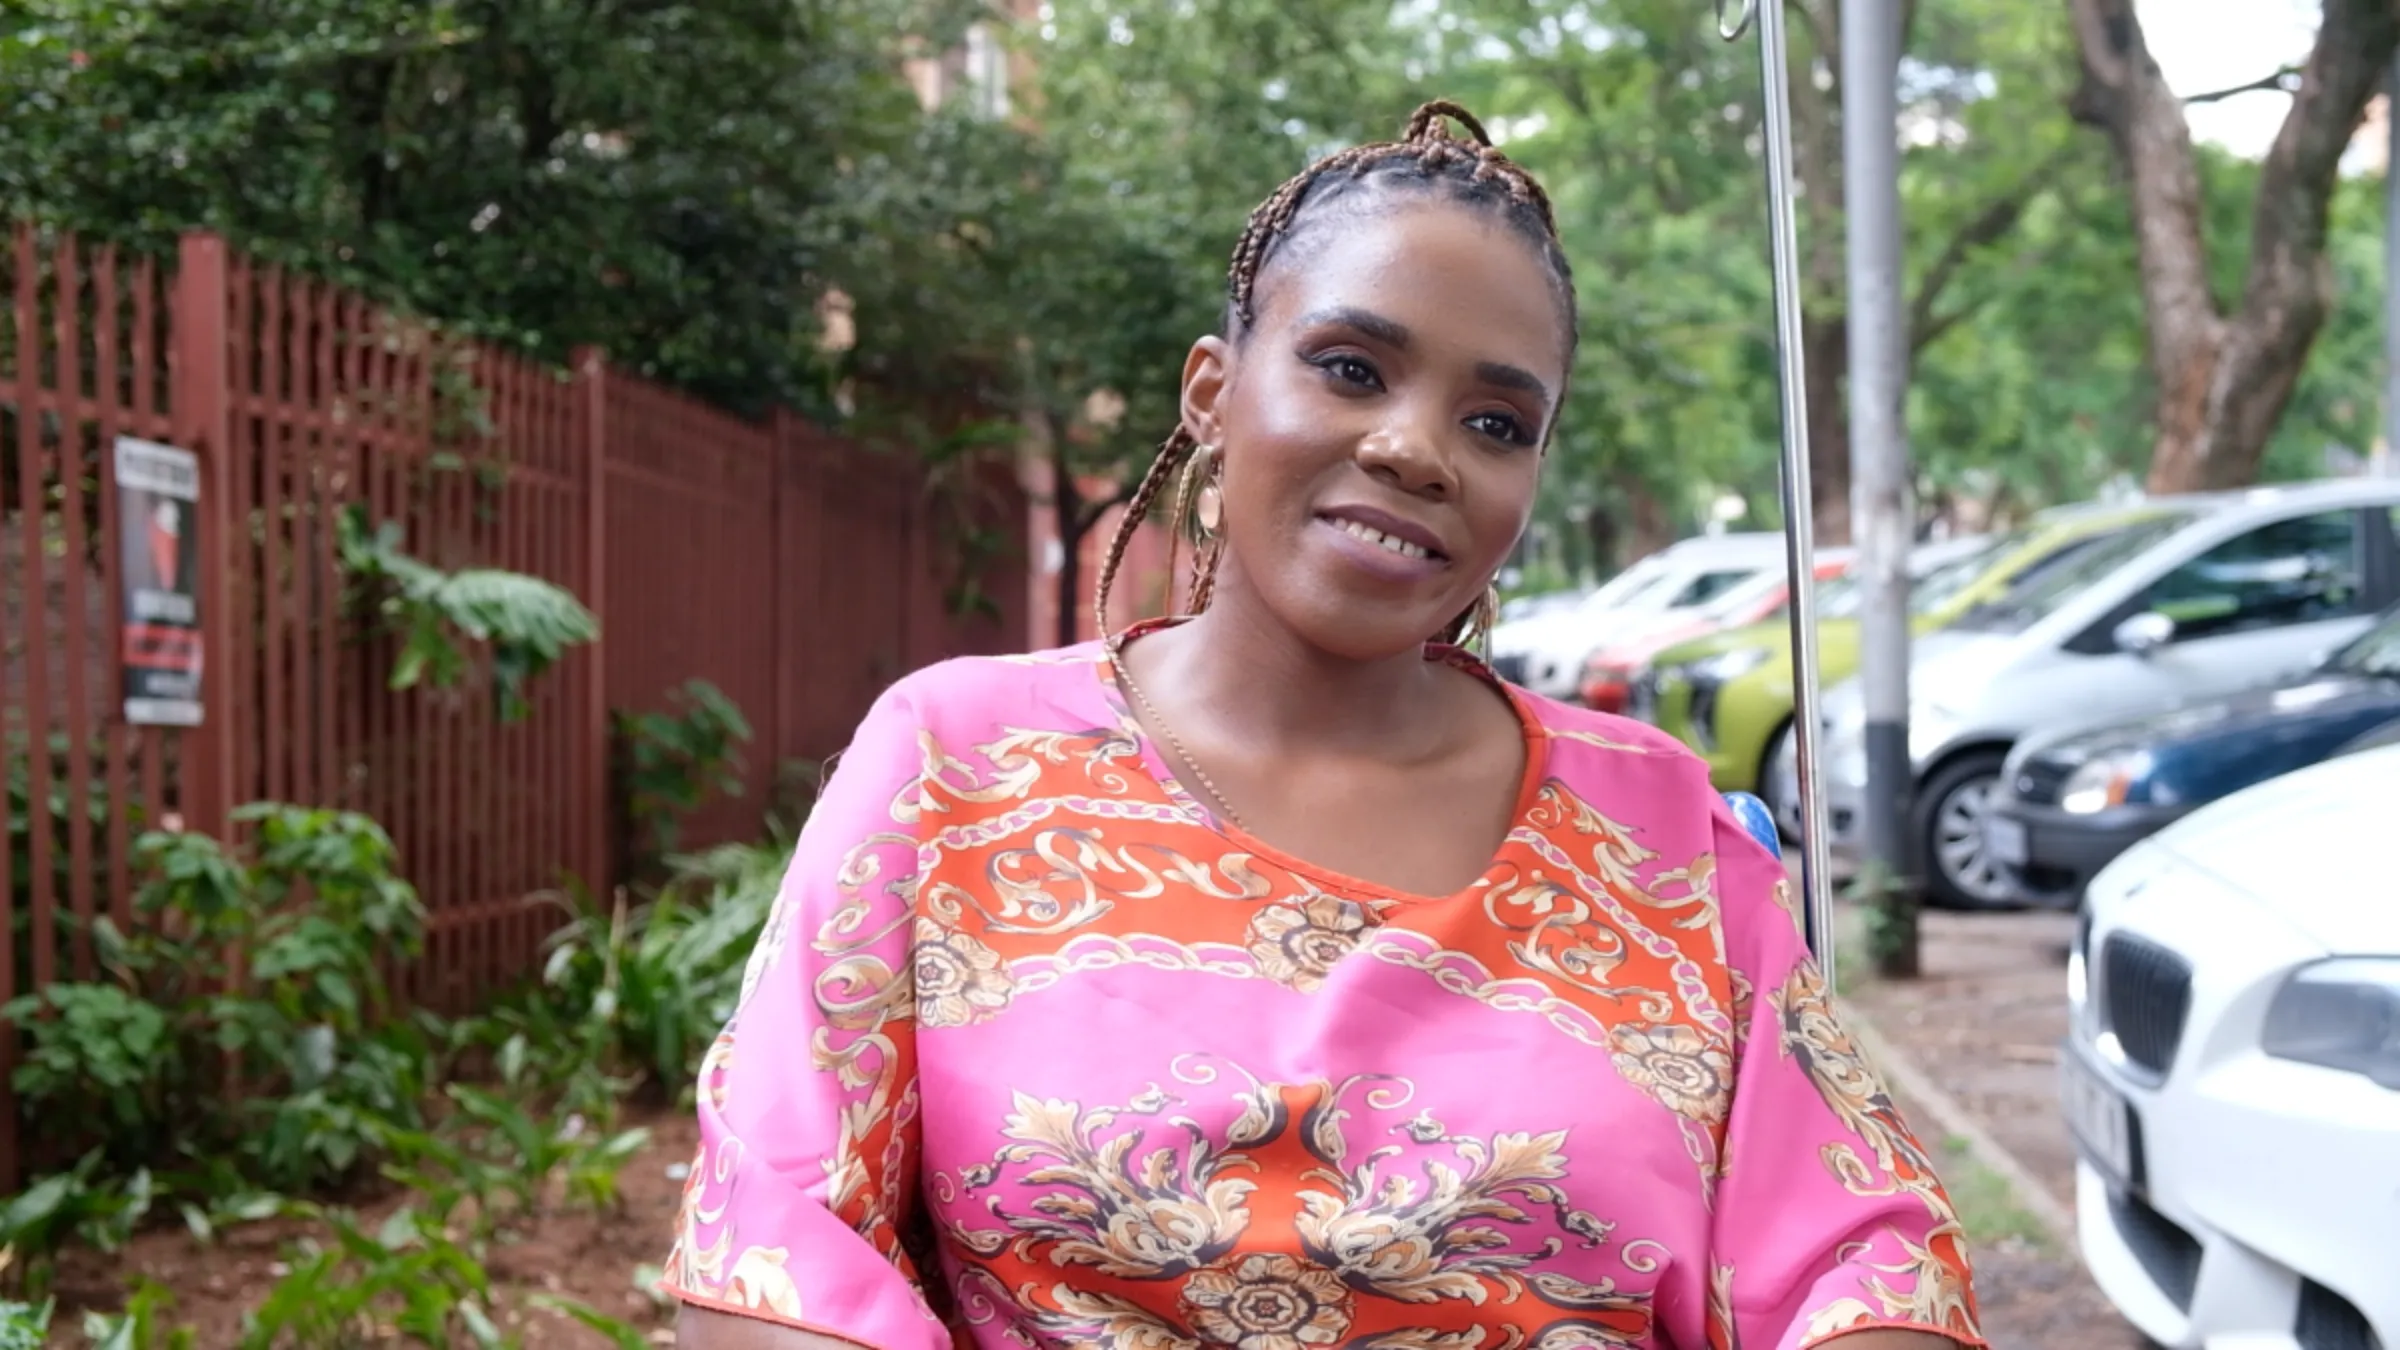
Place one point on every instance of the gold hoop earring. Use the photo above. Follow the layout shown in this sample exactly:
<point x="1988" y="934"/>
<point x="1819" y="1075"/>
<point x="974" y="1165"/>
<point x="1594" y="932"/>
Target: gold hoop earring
<point x="1200" y="513"/>
<point x="1208" y="500"/>
<point x="1476" y="633"/>
<point x="1191" y="487"/>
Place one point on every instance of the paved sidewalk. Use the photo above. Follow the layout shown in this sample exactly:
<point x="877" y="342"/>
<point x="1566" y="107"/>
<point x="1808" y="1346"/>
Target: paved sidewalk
<point x="1971" y="1051"/>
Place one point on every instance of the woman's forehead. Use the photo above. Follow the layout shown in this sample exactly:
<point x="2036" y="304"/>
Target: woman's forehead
<point x="1432" y="268"/>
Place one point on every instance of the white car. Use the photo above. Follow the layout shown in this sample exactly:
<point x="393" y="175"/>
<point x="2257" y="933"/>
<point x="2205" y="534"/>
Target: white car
<point x="2232" y="1075"/>
<point x="2214" y="594"/>
<point x="1545" y="653"/>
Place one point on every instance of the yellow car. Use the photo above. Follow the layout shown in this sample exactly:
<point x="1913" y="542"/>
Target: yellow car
<point x="1729" y="696"/>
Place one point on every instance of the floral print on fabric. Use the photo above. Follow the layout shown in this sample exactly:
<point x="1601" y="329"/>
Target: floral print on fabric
<point x="1148" y="1083"/>
<point x="1267" y="1301"/>
<point x="1299" y="943"/>
<point x="1428" y="1232"/>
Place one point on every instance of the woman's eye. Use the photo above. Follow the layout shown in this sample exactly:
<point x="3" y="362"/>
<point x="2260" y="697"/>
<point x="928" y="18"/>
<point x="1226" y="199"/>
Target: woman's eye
<point x="1501" y="426"/>
<point x="1350" y="370"/>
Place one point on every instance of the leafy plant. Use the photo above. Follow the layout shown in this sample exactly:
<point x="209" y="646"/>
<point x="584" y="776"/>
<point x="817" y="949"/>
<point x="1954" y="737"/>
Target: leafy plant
<point x="408" y="1275"/>
<point x="24" y="1326"/>
<point x="653" y="983"/>
<point x="528" y="622"/>
<point x="668" y="764"/>
<point x="1889" y="907"/>
<point x="83" y="1204"/>
<point x="139" y="1326"/>
<point x="268" y="968"/>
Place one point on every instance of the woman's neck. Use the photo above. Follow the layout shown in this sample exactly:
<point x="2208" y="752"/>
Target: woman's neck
<point x="1257" y="683"/>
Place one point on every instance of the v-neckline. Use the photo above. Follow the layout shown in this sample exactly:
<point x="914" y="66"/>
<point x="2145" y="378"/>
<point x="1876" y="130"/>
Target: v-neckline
<point x="1161" y="771"/>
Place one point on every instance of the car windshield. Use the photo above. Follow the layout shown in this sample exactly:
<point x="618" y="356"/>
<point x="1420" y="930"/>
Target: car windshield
<point x="1841" y="598"/>
<point x="1934" y="589"/>
<point x="2042" y="589"/>
<point x="2374" y="652"/>
<point x="1743" y="595"/>
<point x="1627" y="586"/>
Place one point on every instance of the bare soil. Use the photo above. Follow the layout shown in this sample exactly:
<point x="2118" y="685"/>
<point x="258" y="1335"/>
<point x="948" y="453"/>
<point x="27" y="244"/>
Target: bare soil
<point x="600" y="1260"/>
<point x="1984" y="1023"/>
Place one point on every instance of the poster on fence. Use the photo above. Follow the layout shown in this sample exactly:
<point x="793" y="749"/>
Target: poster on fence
<point x="158" y="543"/>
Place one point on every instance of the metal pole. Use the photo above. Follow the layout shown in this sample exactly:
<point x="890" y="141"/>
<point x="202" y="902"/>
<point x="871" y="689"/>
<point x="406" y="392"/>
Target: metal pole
<point x="2391" y="273"/>
<point x="1878" y="431"/>
<point x="1799" y="524"/>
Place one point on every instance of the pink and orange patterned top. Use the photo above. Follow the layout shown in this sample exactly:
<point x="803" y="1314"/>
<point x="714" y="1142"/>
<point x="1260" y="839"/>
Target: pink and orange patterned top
<point x="1036" y="1051"/>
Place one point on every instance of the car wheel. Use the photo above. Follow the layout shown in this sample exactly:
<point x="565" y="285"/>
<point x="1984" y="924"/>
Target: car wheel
<point x="1950" y="810"/>
<point x="1770" y="779"/>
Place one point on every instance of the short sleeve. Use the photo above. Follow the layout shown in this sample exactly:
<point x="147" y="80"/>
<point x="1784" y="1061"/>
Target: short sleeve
<point x="1829" y="1218"/>
<point x="806" y="1173"/>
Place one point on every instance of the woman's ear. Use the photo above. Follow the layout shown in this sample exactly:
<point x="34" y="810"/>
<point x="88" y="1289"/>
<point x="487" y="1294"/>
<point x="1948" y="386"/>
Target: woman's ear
<point x="1207" y="374"/>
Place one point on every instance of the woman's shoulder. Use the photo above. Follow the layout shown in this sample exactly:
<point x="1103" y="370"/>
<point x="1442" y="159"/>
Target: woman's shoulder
<point x="971" y="693"/>
<point x="1586" y="742"/>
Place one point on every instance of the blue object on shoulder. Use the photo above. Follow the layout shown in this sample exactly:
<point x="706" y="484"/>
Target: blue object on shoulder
<point x="1757" y="819"/>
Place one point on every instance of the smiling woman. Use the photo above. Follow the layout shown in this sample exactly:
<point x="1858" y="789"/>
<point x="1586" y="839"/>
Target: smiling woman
<point x="1274" y="976"/>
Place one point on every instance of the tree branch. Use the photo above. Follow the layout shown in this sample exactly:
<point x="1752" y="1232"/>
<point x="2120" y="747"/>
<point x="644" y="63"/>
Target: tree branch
<point x="2289" y="287"/>
<point x="2123" y="93"/>
<point x="2284" y="81"/>
<point x="1985" y="228"/>
<point x="2223" y="380"/>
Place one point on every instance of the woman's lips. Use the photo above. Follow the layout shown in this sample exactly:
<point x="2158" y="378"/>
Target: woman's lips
<point x="1385" y="554"/>
<point x="1386" y="530"/>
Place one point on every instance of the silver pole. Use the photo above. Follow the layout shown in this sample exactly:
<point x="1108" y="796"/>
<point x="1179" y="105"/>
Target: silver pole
<point x="1878" y="431"/>
<point x="2391" y="274"/>
<point x="1799" y="525"/>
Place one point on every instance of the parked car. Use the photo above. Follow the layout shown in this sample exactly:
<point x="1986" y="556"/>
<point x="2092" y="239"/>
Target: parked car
<point x="2213" y="594"/>
<point x="1730" y="696"/>
<point x="2069" y="803"/>
<point x="2232" y="1073"/>
<point x="1545" y="653"/>
<point x="1533" y="606"/>
<point x="1608" y="673"/>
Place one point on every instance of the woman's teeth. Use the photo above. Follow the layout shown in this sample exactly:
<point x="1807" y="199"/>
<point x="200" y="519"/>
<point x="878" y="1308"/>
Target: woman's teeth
<point x="1374" y="536"/>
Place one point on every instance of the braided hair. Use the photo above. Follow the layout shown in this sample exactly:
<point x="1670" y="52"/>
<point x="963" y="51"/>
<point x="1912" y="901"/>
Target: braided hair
<point x="1427" y="159"/>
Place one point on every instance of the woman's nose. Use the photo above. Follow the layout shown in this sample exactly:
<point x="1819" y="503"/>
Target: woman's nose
<point x="1410" y="459"/>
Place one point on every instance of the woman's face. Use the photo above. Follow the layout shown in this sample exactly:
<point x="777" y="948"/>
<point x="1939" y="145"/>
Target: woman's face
<point x="1382" y="423"/>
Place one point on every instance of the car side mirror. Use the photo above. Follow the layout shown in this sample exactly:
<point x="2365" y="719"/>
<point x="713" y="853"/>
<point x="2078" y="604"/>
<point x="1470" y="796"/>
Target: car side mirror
<point x="2144" y="633"/>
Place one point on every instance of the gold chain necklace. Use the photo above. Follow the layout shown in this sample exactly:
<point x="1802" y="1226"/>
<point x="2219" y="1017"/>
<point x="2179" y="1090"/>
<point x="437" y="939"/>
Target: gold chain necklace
<point x="1116" y="661"/>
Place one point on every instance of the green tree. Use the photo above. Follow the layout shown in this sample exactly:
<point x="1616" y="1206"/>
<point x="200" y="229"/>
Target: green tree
<point x="1648" y="132"/>
<point x="2227" y="347"/>
<point x="1158" y="127"/>
<point x="676" y="182"/>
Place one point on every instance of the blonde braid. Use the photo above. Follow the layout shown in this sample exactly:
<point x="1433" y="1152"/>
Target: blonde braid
<point x="1171" y="456"/>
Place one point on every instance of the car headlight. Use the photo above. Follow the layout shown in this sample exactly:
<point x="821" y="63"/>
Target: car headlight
<point x="1730" y="665"/>
<point x="2103" y="782"/>
<point x="2340" y="1014"/>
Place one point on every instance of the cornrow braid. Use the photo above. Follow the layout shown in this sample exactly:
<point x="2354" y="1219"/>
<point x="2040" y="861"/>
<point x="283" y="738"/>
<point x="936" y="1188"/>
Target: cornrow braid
<point x="1426" y="158"/>
<point x="1171" y="458"/>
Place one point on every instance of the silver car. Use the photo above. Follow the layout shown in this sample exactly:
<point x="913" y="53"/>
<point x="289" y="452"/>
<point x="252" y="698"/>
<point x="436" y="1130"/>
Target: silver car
<point x="2220" y="592"/>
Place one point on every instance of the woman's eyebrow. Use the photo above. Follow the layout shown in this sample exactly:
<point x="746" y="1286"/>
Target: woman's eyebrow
<point x="1389" y="332"/>
<point x="1513" y="377"/>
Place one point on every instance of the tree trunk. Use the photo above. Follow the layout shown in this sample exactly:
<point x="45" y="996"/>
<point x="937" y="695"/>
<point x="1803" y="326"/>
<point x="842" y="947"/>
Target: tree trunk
<point x="1600" y="537"/>
<point x="1825" y="341"/>
<point x="2225" y="379"/>
<point x="1071" y="522"/>
<point x="1647" y="526"/>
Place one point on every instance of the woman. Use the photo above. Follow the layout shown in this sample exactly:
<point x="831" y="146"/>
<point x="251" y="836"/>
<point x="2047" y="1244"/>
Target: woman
<point x="1276" y="977"/>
